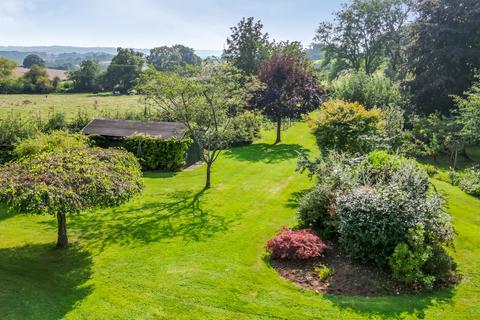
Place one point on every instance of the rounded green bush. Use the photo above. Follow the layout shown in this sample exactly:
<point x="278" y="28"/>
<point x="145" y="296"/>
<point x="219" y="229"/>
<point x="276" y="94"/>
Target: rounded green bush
<point x="373" y="221"/>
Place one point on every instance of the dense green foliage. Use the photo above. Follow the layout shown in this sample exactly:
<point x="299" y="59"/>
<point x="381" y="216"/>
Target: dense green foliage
<point x="156" y="153"/>
<point x="247" y="46"/>
<point x="348" y="127"/>
<point x="364" y="34"/>
<point x="36" y="80"/>
<point x="171" y="58"/>
<point x="124" y="69"/>
<point x="57" y="141"/>
<point x="69" y="181"/>
<point x="33" y="59"/>
<point x="372" y="91"/>
<point x="468" y="180"/>
<point x="87" y="78"/>
<point x="409" y="258"/>
<point x="370" y="204"/>
<point x="442" y="52"/>
<point x="245" y="128"/>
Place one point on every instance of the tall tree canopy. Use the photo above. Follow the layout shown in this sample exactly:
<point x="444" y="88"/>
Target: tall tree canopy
<point x="247" y="46"/>
<point x="443" y="52"/>
<point x="363" y="35"/>
<point x="86" y="78"/>
<point x="291" y="89"/>
<point x="169" y="58"/>
<point x="61" y="183"/>
<point x="124" y="69"/>
<point x="33" y="59"/>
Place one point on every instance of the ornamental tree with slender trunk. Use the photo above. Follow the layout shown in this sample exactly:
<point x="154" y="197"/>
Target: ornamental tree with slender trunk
<point x="68" y="182"/>
<point x="206" y="101"/>
<point x="291" y="89"/>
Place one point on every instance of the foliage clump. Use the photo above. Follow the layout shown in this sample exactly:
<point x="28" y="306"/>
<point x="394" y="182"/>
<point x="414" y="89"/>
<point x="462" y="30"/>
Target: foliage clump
<point x="372" y="91"/>
<point x="156" y="153"/>
<point x="296" y="245"/>
<point x="346" y="126"/>
<point x="371" y="204"/>
<point x="57" y="141"/>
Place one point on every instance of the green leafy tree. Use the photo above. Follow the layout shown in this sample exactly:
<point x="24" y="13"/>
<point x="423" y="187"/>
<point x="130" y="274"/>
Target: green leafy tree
<point x="469" y="113"/>
<point x="33" y="59"/>
<point x="247" y="46"/>
<point x="206" y="102"/>
<point x="61" y="183"/>
<point x="291" y="89"/>
<point x="36" y="80"/>
<point x="86" y="79"/>
<point x="6" y="67"/>
<point x="443" y="52"/>
<point x="124" y="69"/>
<point x="363" y="35"/>
<point x="170" y="58"/>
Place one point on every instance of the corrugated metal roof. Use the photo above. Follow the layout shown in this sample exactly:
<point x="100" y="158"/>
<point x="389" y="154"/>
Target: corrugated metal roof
<point x="126" y="128"/>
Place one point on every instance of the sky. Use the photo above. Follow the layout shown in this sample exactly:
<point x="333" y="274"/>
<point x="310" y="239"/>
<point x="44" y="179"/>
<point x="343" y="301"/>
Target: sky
<point x="201" y="24"/>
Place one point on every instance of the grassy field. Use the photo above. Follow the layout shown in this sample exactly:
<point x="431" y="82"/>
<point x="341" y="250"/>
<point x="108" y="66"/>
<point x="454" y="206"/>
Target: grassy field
<point x="93" y="104"/>
<point x="177" y="252"/>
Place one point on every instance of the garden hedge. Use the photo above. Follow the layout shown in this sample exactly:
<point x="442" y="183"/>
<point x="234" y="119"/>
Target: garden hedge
<point x="156" y="153"/>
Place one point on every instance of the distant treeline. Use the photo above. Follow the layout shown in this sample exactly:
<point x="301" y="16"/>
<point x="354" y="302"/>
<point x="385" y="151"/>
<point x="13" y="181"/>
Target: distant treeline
<point x="62" y="61"/>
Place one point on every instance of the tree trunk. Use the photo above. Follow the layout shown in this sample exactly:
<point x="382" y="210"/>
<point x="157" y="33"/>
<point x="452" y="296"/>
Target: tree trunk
<point x="62" y="241"/>
<point x="209" y="168"/>
<point x="279" y="130"/>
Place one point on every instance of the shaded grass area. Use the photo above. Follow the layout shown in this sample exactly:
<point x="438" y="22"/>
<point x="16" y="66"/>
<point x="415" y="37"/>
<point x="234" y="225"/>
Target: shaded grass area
<point x="179" y="253"/>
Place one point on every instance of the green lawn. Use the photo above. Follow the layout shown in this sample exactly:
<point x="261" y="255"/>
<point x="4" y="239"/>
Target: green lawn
<point x="42" y="105"/>
<point x="179" y="253"/>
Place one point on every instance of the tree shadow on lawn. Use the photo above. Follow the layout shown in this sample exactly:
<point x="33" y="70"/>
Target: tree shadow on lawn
<point x="181" y="215"/>
<point x="268" y="153"/>
<point x="393" y="307"/>
<point x="295" y="197"/>
<point x="41" y="282"/>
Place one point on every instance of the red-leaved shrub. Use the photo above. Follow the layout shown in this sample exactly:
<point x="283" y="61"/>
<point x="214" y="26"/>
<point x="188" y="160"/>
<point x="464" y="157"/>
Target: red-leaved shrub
<point x="296" y="245"/>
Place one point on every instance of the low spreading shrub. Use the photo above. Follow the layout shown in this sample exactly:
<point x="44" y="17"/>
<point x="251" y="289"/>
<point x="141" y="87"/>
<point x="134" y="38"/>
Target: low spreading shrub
<point x="296" y="245"/>
<point x="156" y="153"/>
<point x="313" y="207"/>
<point x="347" y="127"/>
<point x="469" y="181"/>
<point x="57" y="141"/>
<point x="408" y="260"/>
<point x="379" y="167"/>
<point x="323" y="272"/>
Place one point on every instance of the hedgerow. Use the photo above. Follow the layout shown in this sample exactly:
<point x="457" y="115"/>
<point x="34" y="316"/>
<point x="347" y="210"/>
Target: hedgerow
<point x="155" y="153"/>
